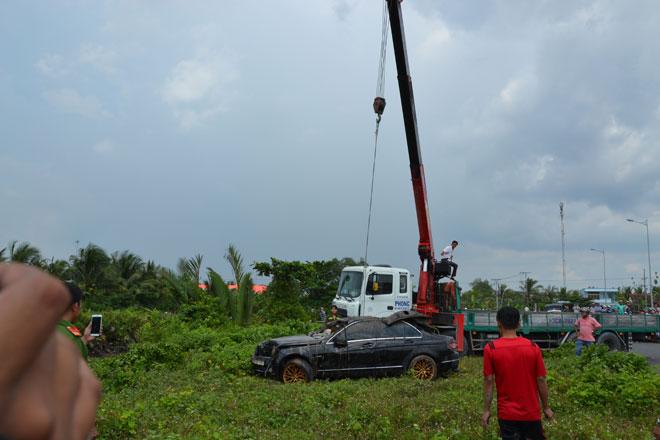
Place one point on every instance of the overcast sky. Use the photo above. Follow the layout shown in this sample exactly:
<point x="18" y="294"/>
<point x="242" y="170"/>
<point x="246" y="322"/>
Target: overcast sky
<point x="179" y="129"/>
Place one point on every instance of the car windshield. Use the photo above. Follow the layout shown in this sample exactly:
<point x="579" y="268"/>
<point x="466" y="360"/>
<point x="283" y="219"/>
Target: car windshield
<point x="327" y="329"/>
<point x="350" y="284"/>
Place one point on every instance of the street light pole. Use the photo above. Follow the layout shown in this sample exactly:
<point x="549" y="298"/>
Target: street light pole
<point x="602" y="251"/>
<point x="648" y="254"/>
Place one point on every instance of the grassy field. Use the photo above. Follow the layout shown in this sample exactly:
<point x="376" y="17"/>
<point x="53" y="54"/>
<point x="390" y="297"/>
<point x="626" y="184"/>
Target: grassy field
<point x="197" y="385"/>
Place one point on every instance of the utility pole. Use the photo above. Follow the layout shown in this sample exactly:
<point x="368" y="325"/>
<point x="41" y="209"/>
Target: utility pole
<point x="648" y="253"/>
<point x="563" y="244"/>
<point x="496" y="282"/>
<point x="644" y="278"/>
<point x="524" y="274"/>
<point x="602" y="251"/>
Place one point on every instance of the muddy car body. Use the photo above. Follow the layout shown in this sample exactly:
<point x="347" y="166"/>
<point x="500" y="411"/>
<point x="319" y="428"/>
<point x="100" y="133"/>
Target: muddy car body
<point x="359" y="347"/>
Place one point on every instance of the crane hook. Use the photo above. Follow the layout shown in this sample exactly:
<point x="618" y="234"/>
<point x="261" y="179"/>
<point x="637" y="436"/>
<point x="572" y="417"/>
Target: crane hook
<point x="379" y="105"/>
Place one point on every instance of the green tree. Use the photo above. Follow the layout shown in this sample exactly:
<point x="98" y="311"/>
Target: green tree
<point x="127" y="265"/>
<point x="510" y="297"/>
<point x="235" y="260"/>
<point x="316" y="281"/>
<point x="480" y="296"/>
<point x="217" y="287"/>
<point x="190" y="268"/>
<point x="283" y="298"/>
<point x="90" y="267"/>
<point x="25" y="253"/>
<point x="245" y="300"/>
<point x="530" y="288"/>
<point x="58" y="268"/>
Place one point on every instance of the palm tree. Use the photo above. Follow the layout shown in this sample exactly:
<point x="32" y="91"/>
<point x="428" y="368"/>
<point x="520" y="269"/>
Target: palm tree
<point x="2" y="255"/>
<point x="235" y="260"/>
<point x="25" y="253"/>
<point x="127" y="264"/>
<point x="90" y="265"/>
<point x="190" y="268"/>
<point x="58" y="268"/>
<point x="238" y="303"/>
<point x="530" y="288"/>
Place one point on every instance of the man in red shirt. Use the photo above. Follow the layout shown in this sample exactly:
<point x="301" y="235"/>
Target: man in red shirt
<point x="515" y="365"/>
<point x="585" y="327"/>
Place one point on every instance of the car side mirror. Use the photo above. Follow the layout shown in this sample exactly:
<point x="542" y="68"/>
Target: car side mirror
<point x="340" y="343"/>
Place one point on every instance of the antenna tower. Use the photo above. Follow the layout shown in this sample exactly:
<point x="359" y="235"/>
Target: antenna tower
<point x="563" y="244"/>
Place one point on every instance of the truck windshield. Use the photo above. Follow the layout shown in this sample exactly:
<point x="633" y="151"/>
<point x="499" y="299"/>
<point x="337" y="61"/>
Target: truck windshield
<point x="350" y="284"/>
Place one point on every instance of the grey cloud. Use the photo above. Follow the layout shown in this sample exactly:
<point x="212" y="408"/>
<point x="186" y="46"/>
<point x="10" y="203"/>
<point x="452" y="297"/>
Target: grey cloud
<point x="520" y="105"/>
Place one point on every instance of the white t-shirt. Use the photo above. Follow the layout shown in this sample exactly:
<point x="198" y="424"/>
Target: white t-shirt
<point x="447" y="252"/>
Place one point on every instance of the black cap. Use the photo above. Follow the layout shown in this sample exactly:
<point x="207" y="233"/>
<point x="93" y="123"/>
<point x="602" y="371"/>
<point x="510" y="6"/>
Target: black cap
<point x="74" y="291"/>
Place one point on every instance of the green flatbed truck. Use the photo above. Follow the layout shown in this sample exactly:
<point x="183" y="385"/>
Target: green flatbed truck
<point x="552" y="329"/>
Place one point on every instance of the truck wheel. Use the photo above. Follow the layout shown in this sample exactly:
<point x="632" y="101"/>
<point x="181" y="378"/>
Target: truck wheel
<point x="296" y="371"/>
<point x="467" y="344"/>
<point x="423" y="367"/>
<point x="611" y="340"/>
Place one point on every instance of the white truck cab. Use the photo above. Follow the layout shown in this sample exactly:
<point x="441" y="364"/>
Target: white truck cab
<point x="373" y="291"/>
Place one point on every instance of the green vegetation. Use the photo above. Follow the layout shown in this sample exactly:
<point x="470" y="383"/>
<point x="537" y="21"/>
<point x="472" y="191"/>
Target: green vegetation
<point x="183" y="379"/>
<point x="123" y="279"/>
<point x="175" y="360"/>
<point x="481" y="295"/>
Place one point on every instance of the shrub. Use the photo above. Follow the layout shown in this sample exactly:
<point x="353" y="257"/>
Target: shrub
<point x="600" y="377"/>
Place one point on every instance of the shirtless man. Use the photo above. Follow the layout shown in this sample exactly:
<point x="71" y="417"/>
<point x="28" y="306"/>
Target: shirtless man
<point x="47" y="391"/>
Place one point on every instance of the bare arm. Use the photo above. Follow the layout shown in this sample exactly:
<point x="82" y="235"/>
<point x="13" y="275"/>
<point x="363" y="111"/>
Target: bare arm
<point x="543" y="394"/>
<point x="27" y="295"/>
<point x="488" y="398"/>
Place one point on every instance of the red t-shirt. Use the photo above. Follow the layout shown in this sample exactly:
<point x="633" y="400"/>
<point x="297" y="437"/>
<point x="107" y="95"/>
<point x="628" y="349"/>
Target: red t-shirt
<point x="516" y="364"/>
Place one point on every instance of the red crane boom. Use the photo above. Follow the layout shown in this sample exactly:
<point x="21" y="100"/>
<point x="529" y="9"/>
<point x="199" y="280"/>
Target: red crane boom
<point x="426" y="301"/>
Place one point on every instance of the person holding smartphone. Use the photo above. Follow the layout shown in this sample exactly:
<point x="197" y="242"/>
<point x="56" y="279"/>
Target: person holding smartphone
<point x="71" y="315"/>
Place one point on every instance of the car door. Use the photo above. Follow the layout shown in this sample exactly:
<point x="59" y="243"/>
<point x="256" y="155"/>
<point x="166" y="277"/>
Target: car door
<point x="364" y="343"/>
<point x="395" y="347"/>
<point x="332" y="358"/>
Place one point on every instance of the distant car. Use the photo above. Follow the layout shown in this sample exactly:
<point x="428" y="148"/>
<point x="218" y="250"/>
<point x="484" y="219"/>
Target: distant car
<point x="359" y="347"/>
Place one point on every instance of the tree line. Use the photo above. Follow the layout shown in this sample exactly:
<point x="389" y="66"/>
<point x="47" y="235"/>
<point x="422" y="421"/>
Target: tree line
<point x="123" y="279"/>
<point x="483" y="295"/>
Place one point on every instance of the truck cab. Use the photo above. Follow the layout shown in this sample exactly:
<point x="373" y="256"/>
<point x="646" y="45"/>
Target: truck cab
<point x="373" y="291"/>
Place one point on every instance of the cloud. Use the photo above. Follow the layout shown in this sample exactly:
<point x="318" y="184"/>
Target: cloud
<point x="99" y="57"/>
<point x="198" y="89"/>
<point x="436" y="38"/>
<point x="104" y="147"/>
<point x="96" y="56"/>
<point x="342" y="8"/>
<point x="70" y="101"/>
<point x="52" y="65"/>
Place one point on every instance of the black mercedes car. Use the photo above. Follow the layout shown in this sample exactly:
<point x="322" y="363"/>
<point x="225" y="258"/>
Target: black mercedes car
<point x="358" y="347"/>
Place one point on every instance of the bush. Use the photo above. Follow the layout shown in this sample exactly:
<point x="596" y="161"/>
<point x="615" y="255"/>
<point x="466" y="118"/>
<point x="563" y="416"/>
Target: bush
<point x="165" y="341"/>
<point x="120" y="329"/>
<point x="600" y="377"/>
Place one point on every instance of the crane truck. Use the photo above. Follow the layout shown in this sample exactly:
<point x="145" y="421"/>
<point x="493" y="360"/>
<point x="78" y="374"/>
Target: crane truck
<point x="383" y="290"/>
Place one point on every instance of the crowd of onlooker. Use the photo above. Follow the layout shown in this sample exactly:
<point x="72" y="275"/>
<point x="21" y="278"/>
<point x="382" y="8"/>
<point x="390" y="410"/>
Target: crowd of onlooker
<point x="655" y="310"/>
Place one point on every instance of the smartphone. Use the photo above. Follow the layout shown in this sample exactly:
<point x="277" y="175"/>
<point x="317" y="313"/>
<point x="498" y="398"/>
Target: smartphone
<point x="96" y="325"/>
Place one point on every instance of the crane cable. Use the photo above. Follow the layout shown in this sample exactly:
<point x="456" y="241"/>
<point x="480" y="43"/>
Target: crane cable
<point x="379" y="107"/>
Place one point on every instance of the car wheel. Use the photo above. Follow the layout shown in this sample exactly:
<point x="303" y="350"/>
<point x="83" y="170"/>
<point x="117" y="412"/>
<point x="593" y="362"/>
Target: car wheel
<point x="423" y="367"/>
<point x="296" y="371"/>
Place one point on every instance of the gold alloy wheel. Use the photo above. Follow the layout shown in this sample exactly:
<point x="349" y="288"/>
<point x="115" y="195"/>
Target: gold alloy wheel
<point x="424" y="369"/>
<point x="293" y="373"/>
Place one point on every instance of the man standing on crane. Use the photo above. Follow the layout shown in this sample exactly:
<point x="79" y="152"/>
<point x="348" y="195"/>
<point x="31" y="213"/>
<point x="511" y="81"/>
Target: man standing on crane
<point x="447" y="256"/>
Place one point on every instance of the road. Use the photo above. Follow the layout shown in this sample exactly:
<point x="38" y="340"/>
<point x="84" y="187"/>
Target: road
<point x="648" y="349"/>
